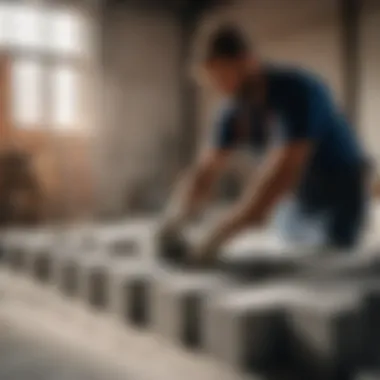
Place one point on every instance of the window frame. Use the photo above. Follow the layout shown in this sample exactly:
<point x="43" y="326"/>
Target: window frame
<point x="48" y="61"/>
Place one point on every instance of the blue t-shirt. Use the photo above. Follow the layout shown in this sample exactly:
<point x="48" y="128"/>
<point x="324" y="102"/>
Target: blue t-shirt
<point x="298" y="107"/>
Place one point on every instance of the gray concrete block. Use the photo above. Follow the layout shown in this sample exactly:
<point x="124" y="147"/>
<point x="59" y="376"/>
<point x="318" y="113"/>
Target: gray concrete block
<point x="326" y="328"/>
<point x="67" y="258"/>
<point x="246" y="328"/>
<point x="342" y="266"/>
<point x="94" y="280"/>
<point x="41" y="264"/>
<point x="368" y="376"/>
<point x="179" y="300"/>
<point x="124" y="241"/>
<point x="371" y="308"/>
<point x="67" y="272"/>
<point x="40" y="258"/>
<point x="125" y="247"/>
<point x="131" y="291"/>
<point x="22" y="247"/>
<point x="16" y="251"/>
<point x="259" y="266"/>
<point x="17" y="257"/>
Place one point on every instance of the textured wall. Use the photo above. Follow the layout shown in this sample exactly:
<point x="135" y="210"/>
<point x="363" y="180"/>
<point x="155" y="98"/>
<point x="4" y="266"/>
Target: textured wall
<point x="370" y="79"/>
<point x="140" y="78"/>
<point x="140" y="100"/>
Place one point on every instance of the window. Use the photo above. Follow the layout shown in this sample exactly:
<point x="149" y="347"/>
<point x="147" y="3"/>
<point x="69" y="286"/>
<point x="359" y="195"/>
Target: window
<point x="4" y="21"/>
<point x="66" y="35"/>
<point x="25" y="27"/>
<point x="65" y="85"/>
<point x="45" y="44"/>
<point x="26" y="93"/>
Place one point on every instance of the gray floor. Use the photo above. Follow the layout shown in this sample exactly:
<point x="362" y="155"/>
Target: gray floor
<point x="27" y="354"/>
<point x="26" y="358"/>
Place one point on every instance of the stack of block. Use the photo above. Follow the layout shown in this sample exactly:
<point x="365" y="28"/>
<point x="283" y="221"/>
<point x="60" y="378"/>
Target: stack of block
<point x="272" y="315"/>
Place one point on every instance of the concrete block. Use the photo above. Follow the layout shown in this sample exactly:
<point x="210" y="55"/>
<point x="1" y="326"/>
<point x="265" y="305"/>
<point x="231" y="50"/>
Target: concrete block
<point x="131" y="288"/>
<point x="124" y="247"/>
<point x="67" y="260"/>
<point x="67" y="272"/>
<point x="124" y="241"/>
<point x="342" y="266"/>
<point x="326" y="328"/>
<point x="94" y="280"/>
<point x="259" y="266"/>
<point x="16" y="251"/>
<point x="40" y="258"/>
<point x="179" y="300"/>
<point x="371" y="306"/>
<point x="246" y="328"/>
<point x="368" y="376"/>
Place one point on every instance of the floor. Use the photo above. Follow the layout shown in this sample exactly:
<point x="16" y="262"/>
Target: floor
<point x="28" y="352"/>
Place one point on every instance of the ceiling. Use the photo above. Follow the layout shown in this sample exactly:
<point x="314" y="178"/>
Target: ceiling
<point x="173" y="5"/>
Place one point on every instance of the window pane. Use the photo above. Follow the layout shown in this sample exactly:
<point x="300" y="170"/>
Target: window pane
<point x="25" y="26"/>
<point x="27" y="93"/>
<point x="65" y="89"/>
<point x="65" y="32"/>
<point x="4" y="23"/>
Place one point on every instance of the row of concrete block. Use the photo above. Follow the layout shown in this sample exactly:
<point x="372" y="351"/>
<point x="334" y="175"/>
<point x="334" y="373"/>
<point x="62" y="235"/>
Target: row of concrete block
<point x="259" y="313"/>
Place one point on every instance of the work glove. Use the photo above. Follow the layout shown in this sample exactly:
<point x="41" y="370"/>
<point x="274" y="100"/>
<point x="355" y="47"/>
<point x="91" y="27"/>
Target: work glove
<point x="171" y="243"/>
<point x="204" y="253"/>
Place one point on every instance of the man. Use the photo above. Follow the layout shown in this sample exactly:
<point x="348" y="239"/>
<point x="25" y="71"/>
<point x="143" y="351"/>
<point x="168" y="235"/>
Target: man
<point x="311" y="153"/>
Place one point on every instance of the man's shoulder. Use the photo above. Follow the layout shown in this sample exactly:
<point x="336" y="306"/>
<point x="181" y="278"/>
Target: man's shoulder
<point x="293" y="75"/>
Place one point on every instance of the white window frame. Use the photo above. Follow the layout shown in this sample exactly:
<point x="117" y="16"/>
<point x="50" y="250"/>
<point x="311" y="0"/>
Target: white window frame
<point x="48" y="60"/>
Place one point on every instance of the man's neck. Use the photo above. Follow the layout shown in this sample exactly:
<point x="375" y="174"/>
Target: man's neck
<point x="254" y="87"/>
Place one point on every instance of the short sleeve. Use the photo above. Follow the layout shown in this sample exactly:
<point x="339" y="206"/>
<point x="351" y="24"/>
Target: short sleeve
<point x="302" y="112"/>
<point x="224" y="134"/>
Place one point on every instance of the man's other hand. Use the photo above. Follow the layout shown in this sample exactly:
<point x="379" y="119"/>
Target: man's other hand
<point x="171" y="243"/>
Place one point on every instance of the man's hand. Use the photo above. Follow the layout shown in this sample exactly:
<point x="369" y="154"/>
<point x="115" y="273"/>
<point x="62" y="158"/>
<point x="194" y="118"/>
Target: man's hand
<point x="171" y="243"/>
<point x="205" y="252"/>
<point x="190" y="196"/>
<point x="279" y="175"/>
<point x="169" y="231"/>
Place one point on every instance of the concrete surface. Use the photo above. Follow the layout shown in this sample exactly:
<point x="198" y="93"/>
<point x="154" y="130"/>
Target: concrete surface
<point x="60" y="339"/>
<point x="31" y="351"/>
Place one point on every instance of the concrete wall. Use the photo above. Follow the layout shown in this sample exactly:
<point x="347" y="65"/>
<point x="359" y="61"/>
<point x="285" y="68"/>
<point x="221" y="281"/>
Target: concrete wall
<point x="140" y="102"/>
<point x="370" y="79"/>
<point x="140" y="91"/>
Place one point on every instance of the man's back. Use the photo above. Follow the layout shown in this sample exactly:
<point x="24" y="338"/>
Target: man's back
<point x="304" y="110"/>
<point x="307" y="110"/>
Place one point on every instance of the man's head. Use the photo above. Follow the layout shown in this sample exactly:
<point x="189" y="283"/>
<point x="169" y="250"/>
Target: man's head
<point x="228" y="60"/>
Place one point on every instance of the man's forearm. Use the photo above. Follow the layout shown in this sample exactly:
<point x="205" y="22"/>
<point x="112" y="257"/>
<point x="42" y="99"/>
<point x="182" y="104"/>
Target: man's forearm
<point x="276" y="179"/>
<point x="190" y="195"/>
<point x="251" y="211"/>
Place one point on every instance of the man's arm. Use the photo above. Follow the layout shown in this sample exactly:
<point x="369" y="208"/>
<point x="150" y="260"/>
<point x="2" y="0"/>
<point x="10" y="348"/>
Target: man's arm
<point x="197" y="183"/>
<point x="196" y="186"/>
<point x="279" y="174"/>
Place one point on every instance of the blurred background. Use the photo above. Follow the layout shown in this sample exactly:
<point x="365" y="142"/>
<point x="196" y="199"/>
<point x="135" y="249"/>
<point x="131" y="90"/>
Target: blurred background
<point x="98" y="112"/>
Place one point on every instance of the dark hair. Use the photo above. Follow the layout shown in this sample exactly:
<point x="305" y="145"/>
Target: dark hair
<point x="227" y="42"/>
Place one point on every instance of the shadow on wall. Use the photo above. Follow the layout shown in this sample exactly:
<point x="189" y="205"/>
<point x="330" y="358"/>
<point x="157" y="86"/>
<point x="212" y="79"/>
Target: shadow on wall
<point x="148" y="186"/>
